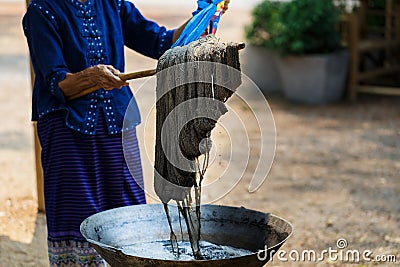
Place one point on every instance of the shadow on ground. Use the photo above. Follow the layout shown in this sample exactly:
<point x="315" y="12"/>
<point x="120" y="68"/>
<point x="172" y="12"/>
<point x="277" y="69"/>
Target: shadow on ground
<point x="27" y="254"/>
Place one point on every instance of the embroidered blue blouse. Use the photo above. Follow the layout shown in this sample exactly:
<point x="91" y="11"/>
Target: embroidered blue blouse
<point x="70" y="36"/>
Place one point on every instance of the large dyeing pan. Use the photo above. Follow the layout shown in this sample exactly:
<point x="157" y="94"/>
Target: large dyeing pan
<point x="237" y="227"/>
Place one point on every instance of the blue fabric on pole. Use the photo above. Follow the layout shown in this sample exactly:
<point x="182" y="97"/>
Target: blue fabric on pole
<point x="199" y="22"/>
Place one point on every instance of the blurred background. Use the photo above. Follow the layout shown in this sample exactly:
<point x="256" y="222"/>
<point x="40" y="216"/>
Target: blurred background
<point x="329" y="71"/>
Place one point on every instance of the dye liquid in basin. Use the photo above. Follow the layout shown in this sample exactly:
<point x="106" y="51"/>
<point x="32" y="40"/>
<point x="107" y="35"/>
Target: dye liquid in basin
<point x="162" y="250"/>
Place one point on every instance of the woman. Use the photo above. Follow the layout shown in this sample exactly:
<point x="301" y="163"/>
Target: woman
<point x="75" y="45"/>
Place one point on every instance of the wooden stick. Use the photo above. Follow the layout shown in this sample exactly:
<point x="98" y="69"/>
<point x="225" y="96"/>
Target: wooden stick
<point x="123" y="76"/>
<point x="129" y="76"/>
<point x="137" y="75"/>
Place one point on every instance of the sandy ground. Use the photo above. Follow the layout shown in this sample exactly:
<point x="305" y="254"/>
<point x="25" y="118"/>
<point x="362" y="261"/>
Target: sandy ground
<point x="335" y="175"/>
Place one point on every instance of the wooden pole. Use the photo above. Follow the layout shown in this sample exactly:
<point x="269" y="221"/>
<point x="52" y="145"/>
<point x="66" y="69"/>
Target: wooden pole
<point x="39" y="171"/>
<point x="389" y="30"/>
<point x="354" y="56"/>
<point x="131" y="76"/>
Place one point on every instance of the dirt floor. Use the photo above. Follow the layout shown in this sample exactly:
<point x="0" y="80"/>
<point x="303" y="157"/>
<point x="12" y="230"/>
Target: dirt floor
<point x="336" y="173"/>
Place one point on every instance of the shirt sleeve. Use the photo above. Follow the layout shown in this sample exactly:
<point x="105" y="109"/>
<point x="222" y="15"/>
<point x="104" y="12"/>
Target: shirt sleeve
<point x="142" y="35"/>
<point x="46" y="48"/>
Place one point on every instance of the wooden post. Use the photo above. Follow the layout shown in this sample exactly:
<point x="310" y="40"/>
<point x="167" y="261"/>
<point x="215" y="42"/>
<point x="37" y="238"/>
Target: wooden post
<point x="388" y="31"/>
<point x="362" y="18"/>
<point x="39" y="171"/>
<point x="396" y="17"/>
<point x="354" y="55"/>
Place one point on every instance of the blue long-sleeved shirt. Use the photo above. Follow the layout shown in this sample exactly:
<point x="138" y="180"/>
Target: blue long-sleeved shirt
<point x="68" y="36"/>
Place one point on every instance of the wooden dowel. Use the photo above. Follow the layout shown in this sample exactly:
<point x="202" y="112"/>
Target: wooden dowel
<point x="130" y="76"/>
<point x="137" y="75"/>
<point x="123" y="76"/>
<point x="241" y="46"/>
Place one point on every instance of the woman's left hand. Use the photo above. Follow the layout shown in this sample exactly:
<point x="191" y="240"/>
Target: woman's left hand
<point x="226" y="6"/>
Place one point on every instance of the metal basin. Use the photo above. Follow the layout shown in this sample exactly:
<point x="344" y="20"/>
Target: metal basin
<point x="110" y="230"/>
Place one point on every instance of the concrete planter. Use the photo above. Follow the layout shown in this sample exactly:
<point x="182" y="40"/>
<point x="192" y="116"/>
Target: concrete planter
<point x="314" y="79"/>
<point x="261" y="65"/>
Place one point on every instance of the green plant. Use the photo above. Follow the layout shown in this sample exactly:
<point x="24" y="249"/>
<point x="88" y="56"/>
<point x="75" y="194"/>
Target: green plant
<point x="265" y="17"/>
<point x="376" y="21"/>
<point x="296" y="27"/>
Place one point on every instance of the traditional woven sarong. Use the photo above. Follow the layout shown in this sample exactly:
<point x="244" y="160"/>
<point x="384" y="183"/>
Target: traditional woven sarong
<point x="83" y="175"/>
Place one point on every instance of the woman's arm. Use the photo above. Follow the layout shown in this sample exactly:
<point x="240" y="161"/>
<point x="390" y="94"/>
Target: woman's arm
<point x="178" y="31"/>
<point x="144" y="36"/>
<point x="46" y="49"/>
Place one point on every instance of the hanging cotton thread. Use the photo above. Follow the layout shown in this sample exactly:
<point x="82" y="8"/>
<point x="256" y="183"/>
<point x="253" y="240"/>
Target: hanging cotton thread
<point x="186" y="134"/>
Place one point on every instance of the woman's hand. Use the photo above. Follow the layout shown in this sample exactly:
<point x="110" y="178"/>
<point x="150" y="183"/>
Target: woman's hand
<point x="101" y="76"/>
<point x="106" y="76"/>
<point x="226" y="6"/>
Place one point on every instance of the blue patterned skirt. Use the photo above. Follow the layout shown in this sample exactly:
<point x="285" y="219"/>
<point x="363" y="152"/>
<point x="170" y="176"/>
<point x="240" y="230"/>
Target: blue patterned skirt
<point x="84" y="175"/>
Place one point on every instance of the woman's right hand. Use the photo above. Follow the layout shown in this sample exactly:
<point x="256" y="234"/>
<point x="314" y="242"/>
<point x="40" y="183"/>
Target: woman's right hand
<point x="101" y="76"/>
<point x="106" y="76"/>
